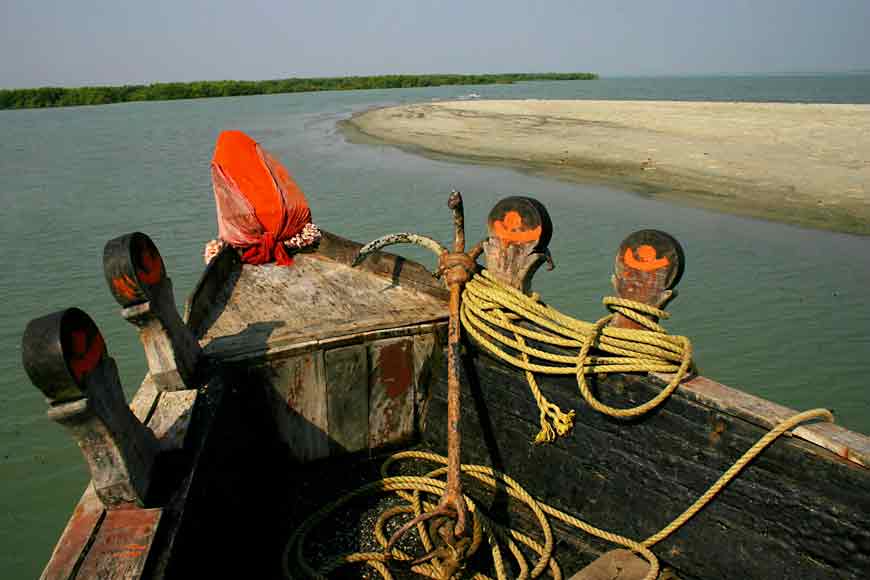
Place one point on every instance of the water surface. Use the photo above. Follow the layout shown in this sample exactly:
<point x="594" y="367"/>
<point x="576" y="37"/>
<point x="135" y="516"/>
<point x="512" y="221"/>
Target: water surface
<point x="777" y="310"/>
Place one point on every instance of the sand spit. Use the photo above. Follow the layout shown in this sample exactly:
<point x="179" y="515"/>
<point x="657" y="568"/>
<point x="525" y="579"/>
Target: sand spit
<point x="800" y="163"/>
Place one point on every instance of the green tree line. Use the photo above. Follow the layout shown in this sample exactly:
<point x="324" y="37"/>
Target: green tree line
<point x="70" y="97"/>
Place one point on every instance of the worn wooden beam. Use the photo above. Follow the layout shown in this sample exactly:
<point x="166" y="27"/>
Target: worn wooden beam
<point x="213" y="288"/>
<point x="296" y="389"/>
<point x="519" y="232"/>
<point x="66" y="358"/>
<point x="384" y="264"/>
<point x="391" y="391"/>
<point x="347" y="386"/>
<point x="137" y="279"/>
<point x="122" y="545"/>
<point x="847" y="444"/>
<point x="648" y="265"/>
<point x="72" y="546"/>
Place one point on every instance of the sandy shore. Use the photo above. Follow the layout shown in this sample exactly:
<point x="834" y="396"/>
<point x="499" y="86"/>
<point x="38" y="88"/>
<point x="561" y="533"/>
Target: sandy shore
<point x="798" y="163"/>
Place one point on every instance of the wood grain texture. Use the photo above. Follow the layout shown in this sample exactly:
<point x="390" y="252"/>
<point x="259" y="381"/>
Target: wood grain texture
<point x="847" y="444"/>
<point x="213" y="288"/>
<point x="315" y="299"/>
<point x="171" y="419"/>
<point x="72" y="546"/>
<point x="118" y="449"/>
<point x="296" y="387"/>
<point x="428" y="351"/>
<point x="391" y="403"/>
<point x="122" y="545"/>
<point x="347" y="385"/>
<point x="798" y="511"/>
<point x="383" y="264"/>
<point x="170" y="347"/>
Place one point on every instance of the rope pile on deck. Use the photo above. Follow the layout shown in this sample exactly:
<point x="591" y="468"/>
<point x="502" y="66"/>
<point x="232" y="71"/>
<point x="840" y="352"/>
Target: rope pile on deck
<point x="502" y="319"/>
<point x="296" y="565"/>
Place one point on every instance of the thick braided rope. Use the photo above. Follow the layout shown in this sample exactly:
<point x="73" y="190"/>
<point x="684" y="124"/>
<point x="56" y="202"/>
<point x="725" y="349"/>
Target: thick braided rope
<point x="488" y="314"/>
<point x="735" y="469"/>
<point x="494" y="533"/>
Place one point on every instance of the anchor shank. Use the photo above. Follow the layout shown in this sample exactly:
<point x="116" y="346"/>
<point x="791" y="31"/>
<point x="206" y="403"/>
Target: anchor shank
<point x="454" y="436"/>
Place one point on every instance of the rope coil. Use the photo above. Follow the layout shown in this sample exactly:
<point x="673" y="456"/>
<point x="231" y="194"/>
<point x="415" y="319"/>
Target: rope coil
<point x="489" y="314"/>
<point x="410" y="488"/>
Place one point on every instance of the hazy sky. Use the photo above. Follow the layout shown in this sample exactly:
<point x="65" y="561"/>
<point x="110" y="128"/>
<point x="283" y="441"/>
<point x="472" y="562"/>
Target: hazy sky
<point x="73" y="42"/>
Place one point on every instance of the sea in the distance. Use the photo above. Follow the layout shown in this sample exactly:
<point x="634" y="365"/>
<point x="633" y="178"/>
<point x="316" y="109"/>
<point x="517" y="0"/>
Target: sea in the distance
<point x="777" y="310"/>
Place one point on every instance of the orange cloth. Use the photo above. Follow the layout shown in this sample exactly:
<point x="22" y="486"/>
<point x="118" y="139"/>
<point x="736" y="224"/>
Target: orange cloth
<point x="258" y="203"/>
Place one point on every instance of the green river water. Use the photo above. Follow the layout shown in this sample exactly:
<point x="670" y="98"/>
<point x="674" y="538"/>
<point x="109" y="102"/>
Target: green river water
<point x="776" y="310"/>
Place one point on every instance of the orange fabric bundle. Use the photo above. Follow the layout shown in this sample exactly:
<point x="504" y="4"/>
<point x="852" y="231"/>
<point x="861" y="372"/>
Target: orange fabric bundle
<point x="259" y="206"/>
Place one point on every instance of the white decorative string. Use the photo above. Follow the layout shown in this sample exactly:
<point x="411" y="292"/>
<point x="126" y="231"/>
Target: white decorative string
<point x="309" y="236"/>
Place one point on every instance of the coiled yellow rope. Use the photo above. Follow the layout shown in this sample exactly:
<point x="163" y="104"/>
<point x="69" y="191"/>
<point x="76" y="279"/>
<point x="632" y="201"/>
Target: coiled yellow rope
<point x="490" y="311"/>
<point x="494" y="532"/>
<point x="489" y="314"/>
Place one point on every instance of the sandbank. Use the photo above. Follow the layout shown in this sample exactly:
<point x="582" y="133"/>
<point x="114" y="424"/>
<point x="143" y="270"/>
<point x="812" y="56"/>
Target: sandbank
<point x="807" y="164"/>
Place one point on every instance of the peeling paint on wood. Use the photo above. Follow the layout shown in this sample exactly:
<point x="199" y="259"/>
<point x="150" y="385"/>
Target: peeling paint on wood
<point x="122" y="545"/>
<point x="427" y="361"/>
<point x="171" y="418"/>
<point x="315" y="299"/>
<point x="297" y="388"/>
<point x="391" y="407"/>
<point x="144" y="399"/>
<point x="347" y="388"/>
<point x="75" y="539"/>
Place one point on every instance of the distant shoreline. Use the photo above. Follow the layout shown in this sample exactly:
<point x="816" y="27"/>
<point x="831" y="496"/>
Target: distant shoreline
<point x="805" y="164"/>
<point x="45" y="97"/>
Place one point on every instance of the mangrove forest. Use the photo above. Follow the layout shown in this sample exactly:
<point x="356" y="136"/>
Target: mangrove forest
<point x="71" y="97"/>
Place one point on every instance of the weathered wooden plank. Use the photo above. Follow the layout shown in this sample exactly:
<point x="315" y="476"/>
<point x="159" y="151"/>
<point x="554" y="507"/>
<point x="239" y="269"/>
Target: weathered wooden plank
<point x="212" y="291"/>
<point x="315" y="299"/>
<point x="614" y="565"/>
<point x="519" y="230"/>
<point x="179" y="482"/>
<point x="427" y="358"/>
<point x="383" y="264"/>
<point x="347" y="387"/>
<point x="797" y="511"/>
<point x="847" y="444"/>
<point x="233" y="350"/>
<point x="137" y="278"/>
<point x="391" y="403"/>
<point x="122" y="545"/>
<point x="76" y="537"/>
<point x="170" y="421"/>
<point x="297" y="388"/>
<point x="144" y="399"/>
<point x="92" y="531"/>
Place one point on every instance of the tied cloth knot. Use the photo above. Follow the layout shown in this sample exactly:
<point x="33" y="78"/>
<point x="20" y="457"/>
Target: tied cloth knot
<point x="267" y="250"/>
<point x="259" y="206"/>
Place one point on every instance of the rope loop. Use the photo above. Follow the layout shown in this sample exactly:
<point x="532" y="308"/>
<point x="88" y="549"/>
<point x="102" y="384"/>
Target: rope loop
<point x="493" y="315"/>
<point x="295" y="565"/>
<point x="498" y="318"/>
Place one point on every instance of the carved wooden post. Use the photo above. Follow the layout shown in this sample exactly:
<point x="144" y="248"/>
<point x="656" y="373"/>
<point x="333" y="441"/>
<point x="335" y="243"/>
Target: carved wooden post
<point x="648" y="265"/>
<point x="519" y="232"/>
<point x="138" y="281"/>
<point x="66" y="358"/>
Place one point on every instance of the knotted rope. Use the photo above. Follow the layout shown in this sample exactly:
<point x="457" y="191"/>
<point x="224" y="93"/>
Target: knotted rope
<point x="410" y="489"/>
<point x="491" y="312"/>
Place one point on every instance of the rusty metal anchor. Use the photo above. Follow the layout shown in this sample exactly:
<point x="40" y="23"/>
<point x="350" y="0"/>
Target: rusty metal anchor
<point x="456" y="267"/>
